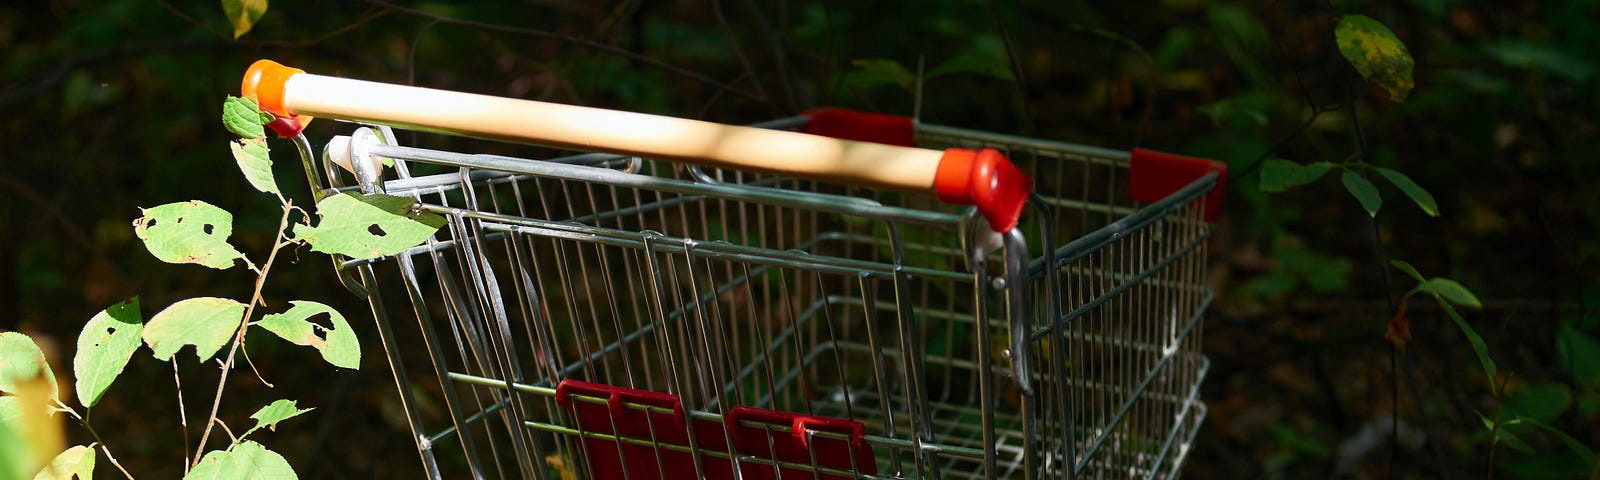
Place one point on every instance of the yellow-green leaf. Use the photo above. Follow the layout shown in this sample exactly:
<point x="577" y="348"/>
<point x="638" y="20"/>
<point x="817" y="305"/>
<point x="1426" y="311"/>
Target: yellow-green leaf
<point x="336" y="340"/>
<point x="104" y="347"/>
<point x="255" y="163"/>
<point x="1376" y="53"/>
<point x="246" y="461"/>
<point x="243" y="117"/>
<point x="75" y="463"/>
<point x="188" y="232"/>
<point x="270" y="415"/>
<point x="21" y="361"/>
<point x="243" y="14"/>
<point x="206" y="322"/>
<point x="1419" y="195"/>
<point x="368" y="226"/>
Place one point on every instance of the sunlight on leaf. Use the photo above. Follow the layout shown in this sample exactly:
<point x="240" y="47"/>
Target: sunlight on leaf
<point x="255" y="163"/>
<point x="243" y="14"/>
<point x="205" y="322"/>
<point x="1376" y="53"/>
<point x="270" y="415"/>
<point x="243" y="117"/>
<point x="104" y="347"/>
<point x="339" y="344"/>
<point x="367" y="226"/>
<point x="21" y="361"/>
<point x="77" y="462"/>
<point x="188" y="232"/>
<point x="246" y="461"/>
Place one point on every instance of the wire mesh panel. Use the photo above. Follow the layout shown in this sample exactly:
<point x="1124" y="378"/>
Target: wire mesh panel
<point x="600" y="316"/>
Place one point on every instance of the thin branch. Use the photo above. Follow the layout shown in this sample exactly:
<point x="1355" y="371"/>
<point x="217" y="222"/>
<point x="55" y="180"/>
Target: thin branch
<point x="238" y="338"/>
<point x="229" y="431"/>
<point x="738" y="51"/>
<point x="183" y="416"/>
<point x="74" y="413"/>
<point x="576" y="41"/>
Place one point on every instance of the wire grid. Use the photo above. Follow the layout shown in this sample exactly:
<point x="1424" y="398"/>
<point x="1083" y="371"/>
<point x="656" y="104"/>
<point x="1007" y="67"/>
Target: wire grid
<point x="837" y="307"/>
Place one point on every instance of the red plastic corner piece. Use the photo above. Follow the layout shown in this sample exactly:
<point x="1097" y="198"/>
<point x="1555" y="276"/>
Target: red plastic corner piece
<point x="846" y="124"/>
<point x="288" y="127"/>
<point x="648" y="460"/>
<point x="1153" y="175"/>
<point x="986" y="179"/>
<point x="852" y="455"/>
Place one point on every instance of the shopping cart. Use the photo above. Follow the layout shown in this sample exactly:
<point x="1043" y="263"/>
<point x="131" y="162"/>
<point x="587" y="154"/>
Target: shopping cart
<point x="810" y="299"/>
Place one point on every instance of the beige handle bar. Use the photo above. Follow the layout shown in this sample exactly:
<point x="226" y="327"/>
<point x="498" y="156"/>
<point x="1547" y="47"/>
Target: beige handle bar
<point x="982" y="178"/>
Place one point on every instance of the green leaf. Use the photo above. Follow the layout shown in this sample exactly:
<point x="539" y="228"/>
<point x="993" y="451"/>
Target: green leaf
<point x="15" y="450"/>
<point x="338" y="343"/>
<point x="76" y="462"/>
<point x="188" y="232"/>
<point x="243" y="14"/>
<point x="1410" y="270"/>
<point x="1420" y="196"/>
<point x="246" y="461"/>
<point x="1376" y="53"/>
<point x="1573" y="444"/>
<point x="970" y="63"/>
<point x="243" y="117"/>
<point x="1478" y="347"/>
<point x="104" y="347"/>
<point x="1542" y="401"/>
<point x="1526" y="55"/>
<point x="1452" y="291"/>
<point x="270" y="415"/>
<point x="1580" y="354"/>
<point x="1278" y="174"/>
<point x="22" y="360"/>
<point x="255" y="163"/>
<point x="205" y="322"/>
<point x="1504" y="435"/>
<point x="367" y="226"/>
<point x="871" y="73"/>
<point x="1364" y="191"/>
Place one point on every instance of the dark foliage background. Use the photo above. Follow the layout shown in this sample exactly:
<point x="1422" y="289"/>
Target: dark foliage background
<point x="113" y="105"/>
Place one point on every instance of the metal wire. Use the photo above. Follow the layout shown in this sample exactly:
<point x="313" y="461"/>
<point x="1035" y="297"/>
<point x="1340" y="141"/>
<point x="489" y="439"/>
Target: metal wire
<point x="961" y="356"/>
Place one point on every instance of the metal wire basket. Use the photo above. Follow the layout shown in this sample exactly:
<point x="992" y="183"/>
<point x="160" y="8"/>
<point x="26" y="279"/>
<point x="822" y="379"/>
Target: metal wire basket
<point x="606" y="316"/>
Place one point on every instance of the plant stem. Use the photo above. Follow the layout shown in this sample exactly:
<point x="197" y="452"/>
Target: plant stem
<point x="238" y="338"/>
<point x="1494" y="428"/>
<point x="183" y="415"/>
<point x="96" y="436"/>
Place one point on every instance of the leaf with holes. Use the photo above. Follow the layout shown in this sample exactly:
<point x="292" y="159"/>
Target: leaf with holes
<point x="77" y="462"/>
<point x="205" y="322"/>
<point x="104" y="347"/>
<point x="21" y="361"/>
<point x="1377" y="54"/>
<point x="1364" y="191"/>
<point x="368" y="226"/>
<point x="188" y="232"/>
<point x="270" y="415"/>
<point x="1419" y="195"/>
<point x="243" y="14"/>
<point x="1278" y="175"/>
<point x="338" y="344"/>
<point x="243" y="117"/>
<point x="246" y="461"/>
<point x="254" y="161"/>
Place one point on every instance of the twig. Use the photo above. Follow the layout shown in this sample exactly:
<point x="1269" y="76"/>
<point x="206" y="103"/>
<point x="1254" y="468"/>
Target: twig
<point x="183" y="416"/>
<point x="738" y="51"/>
<point x="1016" y="68"/>
<point x="569" y="39"/>
<point x="225" y="428"/>
<point x="238" y="339"/>
<point x="74" y="413"/>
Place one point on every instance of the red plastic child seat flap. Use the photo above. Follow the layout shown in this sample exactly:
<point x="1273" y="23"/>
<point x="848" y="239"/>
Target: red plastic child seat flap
<point x="846" y="124"/>
<point x="799" y="445"/>
<point x="622" y="416"/>
<point x="1154" y="175"/>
